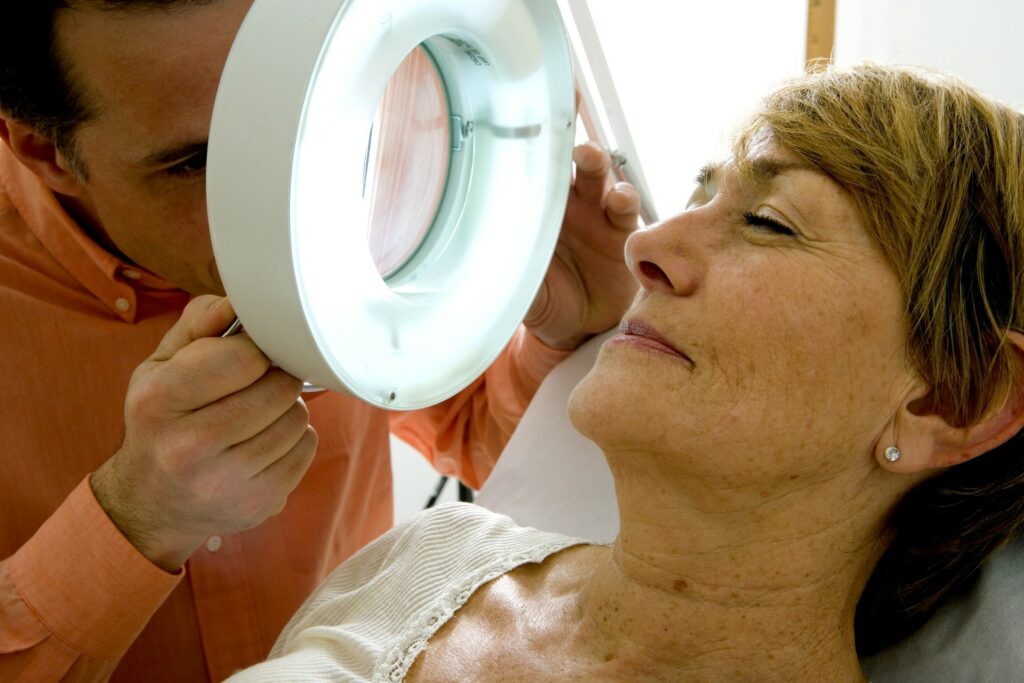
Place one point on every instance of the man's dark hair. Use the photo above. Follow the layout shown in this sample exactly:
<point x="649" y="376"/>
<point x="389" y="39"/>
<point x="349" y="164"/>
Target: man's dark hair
<point x="37" y="85"/>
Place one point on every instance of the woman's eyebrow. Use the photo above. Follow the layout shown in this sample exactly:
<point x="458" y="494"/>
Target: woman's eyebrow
<point x="707" y="174"/>
<point x="759" y="170"/>
<point x="762" y="170"/>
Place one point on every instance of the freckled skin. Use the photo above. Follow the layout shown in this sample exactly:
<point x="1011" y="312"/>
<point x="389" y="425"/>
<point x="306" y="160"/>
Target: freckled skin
<point x="797" y="342"/>
<point x="749" y="496"/>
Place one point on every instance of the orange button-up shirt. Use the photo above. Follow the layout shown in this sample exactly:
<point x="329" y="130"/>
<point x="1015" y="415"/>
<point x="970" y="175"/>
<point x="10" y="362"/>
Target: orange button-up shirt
<point x="77" y="601"/>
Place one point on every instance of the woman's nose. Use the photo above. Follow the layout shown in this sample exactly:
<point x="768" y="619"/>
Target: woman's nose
<point x="662" y="259"/>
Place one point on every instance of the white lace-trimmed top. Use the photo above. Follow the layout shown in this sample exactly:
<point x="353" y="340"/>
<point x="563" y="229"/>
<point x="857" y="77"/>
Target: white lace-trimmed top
<point x="372" y="617"/>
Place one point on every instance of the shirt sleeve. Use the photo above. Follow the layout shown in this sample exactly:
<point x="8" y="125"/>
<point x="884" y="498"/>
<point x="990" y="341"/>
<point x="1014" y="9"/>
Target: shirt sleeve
<point x="75" y="596"/>
<point x="463" y="436"/>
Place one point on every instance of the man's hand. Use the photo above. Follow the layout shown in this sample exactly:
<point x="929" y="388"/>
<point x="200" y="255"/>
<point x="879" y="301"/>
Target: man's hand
<point x="588" y="286"/>
<point x="215" y="439"/>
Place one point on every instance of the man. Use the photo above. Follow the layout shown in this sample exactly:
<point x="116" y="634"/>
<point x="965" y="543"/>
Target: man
<point x="104" y="108"/>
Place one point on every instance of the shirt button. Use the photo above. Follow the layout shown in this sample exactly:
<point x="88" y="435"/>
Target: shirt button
<point x="213" y="543"/>
<point x="131" y="274"/>
<point x="122" y="305"/>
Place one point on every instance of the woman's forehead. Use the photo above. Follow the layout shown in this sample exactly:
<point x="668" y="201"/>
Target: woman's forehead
<point x="760" y="169"/>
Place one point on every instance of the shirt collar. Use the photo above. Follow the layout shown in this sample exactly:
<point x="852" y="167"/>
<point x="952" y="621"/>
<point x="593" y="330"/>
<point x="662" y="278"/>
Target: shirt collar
<point x="110" y="279"/>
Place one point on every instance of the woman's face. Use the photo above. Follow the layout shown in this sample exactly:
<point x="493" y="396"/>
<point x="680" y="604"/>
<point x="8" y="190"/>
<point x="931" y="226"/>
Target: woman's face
<point x="789" y="323"/>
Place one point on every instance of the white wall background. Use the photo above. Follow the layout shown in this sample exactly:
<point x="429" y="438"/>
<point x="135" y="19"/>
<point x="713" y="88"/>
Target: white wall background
<point x="687" y="71"/>
<point x="415" y="480"/>
<point x="978" y="40"/>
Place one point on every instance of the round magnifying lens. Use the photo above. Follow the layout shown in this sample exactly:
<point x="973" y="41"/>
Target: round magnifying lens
<point x="386" y="183"/>
<point x="407" y="162"/>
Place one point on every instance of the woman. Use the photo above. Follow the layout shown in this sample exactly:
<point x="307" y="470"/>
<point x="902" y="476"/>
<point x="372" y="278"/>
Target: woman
<point x="812" y="413"/>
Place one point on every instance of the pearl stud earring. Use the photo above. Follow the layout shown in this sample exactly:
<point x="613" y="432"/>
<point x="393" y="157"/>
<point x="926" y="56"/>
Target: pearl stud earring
<point x="892" y="454"/>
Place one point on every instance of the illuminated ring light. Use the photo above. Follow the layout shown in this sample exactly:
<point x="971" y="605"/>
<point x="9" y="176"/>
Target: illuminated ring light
<point x="285" y="169"/>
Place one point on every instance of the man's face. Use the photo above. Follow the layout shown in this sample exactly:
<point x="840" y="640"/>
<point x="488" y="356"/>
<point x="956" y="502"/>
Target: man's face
<point x="151" y="77"/>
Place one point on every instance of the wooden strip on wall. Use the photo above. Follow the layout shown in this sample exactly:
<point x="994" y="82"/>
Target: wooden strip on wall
<point x="821" y="29"/>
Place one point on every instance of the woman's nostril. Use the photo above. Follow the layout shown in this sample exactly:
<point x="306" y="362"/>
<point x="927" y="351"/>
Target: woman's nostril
<point x="654" y="273"/>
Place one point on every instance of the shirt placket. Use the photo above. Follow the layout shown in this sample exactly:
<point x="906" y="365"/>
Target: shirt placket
<point x="221" y="586"/>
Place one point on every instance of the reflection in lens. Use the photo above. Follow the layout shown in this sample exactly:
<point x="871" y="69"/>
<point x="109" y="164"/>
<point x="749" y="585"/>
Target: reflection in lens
<point x="407" y="162"/>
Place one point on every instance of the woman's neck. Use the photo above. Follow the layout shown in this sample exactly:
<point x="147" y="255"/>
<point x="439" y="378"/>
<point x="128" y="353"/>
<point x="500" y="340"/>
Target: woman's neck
<point x="735" y="585"/>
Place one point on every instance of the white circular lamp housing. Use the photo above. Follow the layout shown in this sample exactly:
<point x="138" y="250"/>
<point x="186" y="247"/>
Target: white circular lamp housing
<point x="285" y="179"/>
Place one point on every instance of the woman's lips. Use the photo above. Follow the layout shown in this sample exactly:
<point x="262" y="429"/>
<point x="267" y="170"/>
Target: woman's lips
<point x="642" y="334"/>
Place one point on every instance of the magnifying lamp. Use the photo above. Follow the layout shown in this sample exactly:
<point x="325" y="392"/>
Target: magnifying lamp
<point x="290" y="188"/>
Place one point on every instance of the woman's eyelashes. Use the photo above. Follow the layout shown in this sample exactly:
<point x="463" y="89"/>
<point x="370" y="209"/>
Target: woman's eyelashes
<point x="767" y="224"/>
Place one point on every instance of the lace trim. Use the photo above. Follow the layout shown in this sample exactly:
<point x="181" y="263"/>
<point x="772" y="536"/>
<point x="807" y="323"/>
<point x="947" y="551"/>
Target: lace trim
<point x="394" y="664"/>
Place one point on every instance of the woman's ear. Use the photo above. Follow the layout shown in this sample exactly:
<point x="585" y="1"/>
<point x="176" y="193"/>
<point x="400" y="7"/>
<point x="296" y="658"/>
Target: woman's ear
<point x="41" y="156"/>
<point x="925" y="440"/>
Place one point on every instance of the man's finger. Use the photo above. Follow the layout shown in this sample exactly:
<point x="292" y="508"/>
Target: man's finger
<point x="592" y="169"/>
<point x="244" y="414"/>
<point x="205" y="316"/>
<point x="622" y="206"/>
<point x="206" y="371"/>
<point x="264" y="449"/>
<point x="285" y="473"/>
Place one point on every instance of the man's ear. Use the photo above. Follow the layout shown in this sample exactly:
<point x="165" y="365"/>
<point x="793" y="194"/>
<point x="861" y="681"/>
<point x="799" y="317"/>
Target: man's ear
<point x="926" y="441"/>
<point x="41" y="156"/>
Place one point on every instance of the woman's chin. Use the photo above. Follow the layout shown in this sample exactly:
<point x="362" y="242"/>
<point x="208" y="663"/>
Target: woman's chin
<point x="604" y="409"/>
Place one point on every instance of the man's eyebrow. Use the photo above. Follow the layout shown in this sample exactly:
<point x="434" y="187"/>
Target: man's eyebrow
<point x="174" y="153"/>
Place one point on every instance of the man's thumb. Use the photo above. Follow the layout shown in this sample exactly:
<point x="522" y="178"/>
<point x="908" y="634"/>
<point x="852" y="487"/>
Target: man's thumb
<point x="205" y="316"/>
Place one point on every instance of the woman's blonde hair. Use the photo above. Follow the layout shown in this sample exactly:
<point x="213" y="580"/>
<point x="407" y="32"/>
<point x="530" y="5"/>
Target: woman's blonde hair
<point x="937" y="172"/>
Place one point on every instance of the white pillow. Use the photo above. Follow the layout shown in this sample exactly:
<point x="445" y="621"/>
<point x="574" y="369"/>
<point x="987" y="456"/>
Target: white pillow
<point x="551" y="478"/>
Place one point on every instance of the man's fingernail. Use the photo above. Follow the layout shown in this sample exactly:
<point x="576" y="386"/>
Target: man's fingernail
<point x="584" y="159"/>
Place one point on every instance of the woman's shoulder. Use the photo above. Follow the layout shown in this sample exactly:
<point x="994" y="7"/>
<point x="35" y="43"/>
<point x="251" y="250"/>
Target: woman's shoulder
<point x="376" y="611"/>
<point x="446" y="544"/>
<point x="442" y="540"/>
<point x="471" y="525"/>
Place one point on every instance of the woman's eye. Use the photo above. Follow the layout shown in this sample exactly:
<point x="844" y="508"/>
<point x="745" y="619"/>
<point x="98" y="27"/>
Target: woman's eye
<point x="190" y="166"/>
<point x="767" y="223"/>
